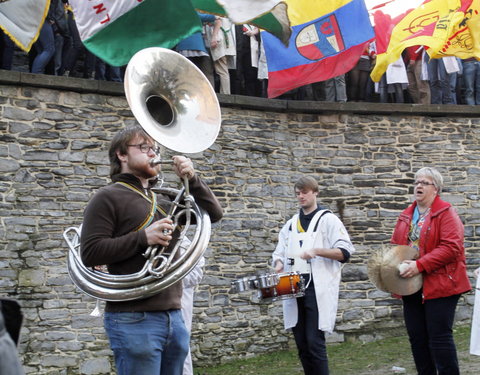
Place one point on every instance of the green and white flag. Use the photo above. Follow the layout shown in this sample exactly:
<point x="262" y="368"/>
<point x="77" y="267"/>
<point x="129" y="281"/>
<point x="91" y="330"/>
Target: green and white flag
<point x="22" y="20"/>
<point x="269" y="15"/>
<point x="115" y="30"/>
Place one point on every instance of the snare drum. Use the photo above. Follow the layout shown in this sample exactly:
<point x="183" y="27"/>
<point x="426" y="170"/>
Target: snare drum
<point x="290" y="285"/>
<point x="255" y="282"/>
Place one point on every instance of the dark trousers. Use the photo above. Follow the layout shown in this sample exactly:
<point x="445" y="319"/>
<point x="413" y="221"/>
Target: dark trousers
<point x="429" y="326"/>
<point x="309" y="339"/>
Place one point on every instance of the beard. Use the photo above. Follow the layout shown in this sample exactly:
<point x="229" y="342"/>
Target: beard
<point x="144" y="169"/>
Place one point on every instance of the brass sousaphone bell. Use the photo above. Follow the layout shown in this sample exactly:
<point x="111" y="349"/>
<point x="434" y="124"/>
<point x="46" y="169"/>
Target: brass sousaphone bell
<point x="172" y="100"/>
<point x="176" y="105"/>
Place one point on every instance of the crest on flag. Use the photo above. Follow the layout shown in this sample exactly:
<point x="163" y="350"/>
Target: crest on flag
<point x="320" y="39"/>
<point x="327" y="40"/>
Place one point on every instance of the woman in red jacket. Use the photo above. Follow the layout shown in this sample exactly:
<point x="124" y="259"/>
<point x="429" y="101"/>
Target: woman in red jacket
<point x="433" y="227"/>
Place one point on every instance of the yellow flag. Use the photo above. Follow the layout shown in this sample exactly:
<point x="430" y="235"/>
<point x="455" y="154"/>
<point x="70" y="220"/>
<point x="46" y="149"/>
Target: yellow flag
<point x="464" y="38"/>
<point x="430" y="25"/>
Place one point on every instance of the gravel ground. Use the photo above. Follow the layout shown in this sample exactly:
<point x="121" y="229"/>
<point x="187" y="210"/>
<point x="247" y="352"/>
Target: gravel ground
<point x="469" y="365"/>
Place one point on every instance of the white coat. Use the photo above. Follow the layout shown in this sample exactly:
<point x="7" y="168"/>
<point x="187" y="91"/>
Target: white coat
<point x="475" y="334"/>
<point x="225" y="38"/>
<point x="189" y="282"/>
<point x="326" y="273"/>
<point x="397" y="73"/>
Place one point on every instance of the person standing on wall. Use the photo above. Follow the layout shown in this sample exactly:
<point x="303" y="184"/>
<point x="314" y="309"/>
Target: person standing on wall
<point x="314" y="243"/>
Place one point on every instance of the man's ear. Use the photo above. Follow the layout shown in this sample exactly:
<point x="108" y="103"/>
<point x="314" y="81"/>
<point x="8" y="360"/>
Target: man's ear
<point x="121" y="157"/>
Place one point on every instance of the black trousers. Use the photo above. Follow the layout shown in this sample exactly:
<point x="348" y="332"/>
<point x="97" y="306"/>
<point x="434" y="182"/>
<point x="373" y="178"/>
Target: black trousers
<point x="309" y="339"/>
<point x="429" y="325"/>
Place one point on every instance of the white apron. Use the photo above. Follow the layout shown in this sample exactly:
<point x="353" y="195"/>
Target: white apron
<point x="326" y="274"/>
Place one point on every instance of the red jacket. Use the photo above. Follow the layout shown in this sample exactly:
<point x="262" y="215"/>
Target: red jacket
<point x="442" y="255"/>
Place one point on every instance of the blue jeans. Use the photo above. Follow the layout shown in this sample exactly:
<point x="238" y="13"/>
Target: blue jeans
<point x="471" y="81"/>
<point x="310" y="340"/>
<point x="441" y="83"/>
<point x="45" y="47"/>
<point x="6" y="52"/>
<point x="106" y="72"/>
<point x="148" y="343"/>
<point x="429" y="325"/>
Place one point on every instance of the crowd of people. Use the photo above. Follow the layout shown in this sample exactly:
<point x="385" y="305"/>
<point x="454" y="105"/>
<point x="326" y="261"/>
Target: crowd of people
<point x="233" y="59"/>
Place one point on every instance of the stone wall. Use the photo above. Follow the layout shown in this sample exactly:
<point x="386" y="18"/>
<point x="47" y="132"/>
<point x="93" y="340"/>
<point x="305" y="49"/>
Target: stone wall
<point x="54" y="136"/>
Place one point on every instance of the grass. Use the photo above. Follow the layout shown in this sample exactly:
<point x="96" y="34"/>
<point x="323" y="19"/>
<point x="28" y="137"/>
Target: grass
<point x="375" y="358"/>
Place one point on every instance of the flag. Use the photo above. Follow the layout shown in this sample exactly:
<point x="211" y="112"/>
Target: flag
<point x="115" y="30"/>
<point x="464" y="39"/>
<point x="327" y="41"/>
<point x="22" y="20"/>
<point x="385" y="15"/>
<point x="269" y="15"/>
<point x="436" y="24"/>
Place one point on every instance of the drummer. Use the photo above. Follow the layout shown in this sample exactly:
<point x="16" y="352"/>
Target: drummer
<point x="433" y="227"/>
<point x="314" y="242"/>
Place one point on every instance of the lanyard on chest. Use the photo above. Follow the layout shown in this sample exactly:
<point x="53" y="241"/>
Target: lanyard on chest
<point x="153" y="201"/>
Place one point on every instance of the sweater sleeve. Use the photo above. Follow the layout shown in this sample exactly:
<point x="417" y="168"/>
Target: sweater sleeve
<point x="205" y="198"/>
<point x="98" y="244"/>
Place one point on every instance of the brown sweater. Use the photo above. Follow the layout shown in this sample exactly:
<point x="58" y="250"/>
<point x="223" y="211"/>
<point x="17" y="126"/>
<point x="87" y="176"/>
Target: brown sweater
<point x="109" y="236"/>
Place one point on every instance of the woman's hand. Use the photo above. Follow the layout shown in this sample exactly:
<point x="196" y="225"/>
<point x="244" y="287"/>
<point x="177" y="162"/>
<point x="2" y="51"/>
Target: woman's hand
<point x="410" y="269"/>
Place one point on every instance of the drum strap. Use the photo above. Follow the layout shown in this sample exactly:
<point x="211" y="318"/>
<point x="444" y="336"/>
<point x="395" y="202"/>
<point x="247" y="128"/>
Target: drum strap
<point x="300" y="239"/>
<point x="299" y="225"/>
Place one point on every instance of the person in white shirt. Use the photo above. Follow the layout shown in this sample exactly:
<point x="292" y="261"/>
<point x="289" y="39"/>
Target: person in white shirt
<point x="221" y="39"/>
<point x="314" y="243"/>
<point x="189" y="282"/>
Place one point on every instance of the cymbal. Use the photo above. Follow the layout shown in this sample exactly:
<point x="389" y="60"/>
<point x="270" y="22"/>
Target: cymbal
<point x="384" y="271"/>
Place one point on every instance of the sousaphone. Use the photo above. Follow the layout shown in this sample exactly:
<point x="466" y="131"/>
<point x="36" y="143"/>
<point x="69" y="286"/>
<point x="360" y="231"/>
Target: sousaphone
<point x="176" y="105"/>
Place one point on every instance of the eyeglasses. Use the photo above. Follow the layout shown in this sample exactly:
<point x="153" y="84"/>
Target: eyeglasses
<point x="146" y="148"/>
<point x="423" y="183"/>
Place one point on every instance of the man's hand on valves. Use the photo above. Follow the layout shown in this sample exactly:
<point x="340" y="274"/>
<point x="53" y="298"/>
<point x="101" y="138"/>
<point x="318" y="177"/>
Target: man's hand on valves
<point x="160" y="232"/>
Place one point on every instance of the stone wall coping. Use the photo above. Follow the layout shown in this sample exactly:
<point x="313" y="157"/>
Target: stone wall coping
<point x="16" y="78"/>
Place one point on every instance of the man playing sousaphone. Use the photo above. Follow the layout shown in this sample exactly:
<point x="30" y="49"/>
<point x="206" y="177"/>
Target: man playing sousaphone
<point x="148" y="335"/>
<point x="313" y="242"/>
<point x="432" y="227"/>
